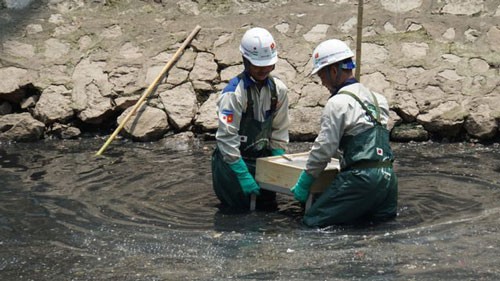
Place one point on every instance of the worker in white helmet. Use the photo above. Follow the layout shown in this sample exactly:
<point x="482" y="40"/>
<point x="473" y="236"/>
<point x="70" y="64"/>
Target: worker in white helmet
<point x="253" y="122"/>
<point x="353" y="123"/>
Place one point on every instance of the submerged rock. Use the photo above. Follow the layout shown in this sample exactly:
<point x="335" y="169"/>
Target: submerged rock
<point x="20" y="127"/>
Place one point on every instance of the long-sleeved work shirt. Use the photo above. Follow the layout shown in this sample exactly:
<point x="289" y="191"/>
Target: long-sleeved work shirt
<point x="342" y="116"/>
<point x="231" y="105"/>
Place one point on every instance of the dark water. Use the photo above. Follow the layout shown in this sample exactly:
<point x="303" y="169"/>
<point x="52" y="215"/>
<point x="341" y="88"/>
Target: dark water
<point x="147" y="212"/>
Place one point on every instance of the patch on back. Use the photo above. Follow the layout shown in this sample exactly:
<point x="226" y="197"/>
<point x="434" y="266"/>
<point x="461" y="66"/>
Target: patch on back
<point x="380" y="151"/>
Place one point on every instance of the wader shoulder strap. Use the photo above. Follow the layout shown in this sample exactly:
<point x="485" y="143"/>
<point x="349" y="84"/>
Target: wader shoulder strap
<point x="249" y="110"/>
<point x="377" y="108"/>
<point x="274" y="94"/>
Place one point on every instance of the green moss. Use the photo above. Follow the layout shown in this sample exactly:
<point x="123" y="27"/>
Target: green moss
<point x="492" y="58"/>
<point x="112" y="3"/>
<point x="220" y="6"/>
<point x="456" y="113"/>
<point x="389" y="38"/>
<point x="496" y="114"/>
<point x="408" y="132"/>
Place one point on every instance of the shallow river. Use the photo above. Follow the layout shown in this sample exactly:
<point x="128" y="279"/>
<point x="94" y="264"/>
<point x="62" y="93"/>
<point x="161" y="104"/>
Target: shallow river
<point x="148" y="212"/>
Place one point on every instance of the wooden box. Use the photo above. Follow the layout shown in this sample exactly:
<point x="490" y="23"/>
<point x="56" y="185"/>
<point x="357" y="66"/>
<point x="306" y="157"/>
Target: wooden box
<point x="280" y="173"/>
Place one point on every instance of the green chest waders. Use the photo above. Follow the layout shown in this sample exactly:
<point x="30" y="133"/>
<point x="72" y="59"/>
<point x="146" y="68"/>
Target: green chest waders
<point x="366" y="187"/>
<point x="254" y="143"/>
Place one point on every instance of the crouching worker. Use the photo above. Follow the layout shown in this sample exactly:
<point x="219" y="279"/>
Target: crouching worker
<point x="353" y="122"/>
<point x="253" y="122"/>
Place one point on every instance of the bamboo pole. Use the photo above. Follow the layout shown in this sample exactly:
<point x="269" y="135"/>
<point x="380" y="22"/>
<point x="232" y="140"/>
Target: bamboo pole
<point x="359" y="39"/>
<point x="151" y="87"/>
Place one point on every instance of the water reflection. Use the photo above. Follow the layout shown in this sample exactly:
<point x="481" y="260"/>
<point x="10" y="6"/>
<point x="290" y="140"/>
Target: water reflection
<point x="148" y="212"/>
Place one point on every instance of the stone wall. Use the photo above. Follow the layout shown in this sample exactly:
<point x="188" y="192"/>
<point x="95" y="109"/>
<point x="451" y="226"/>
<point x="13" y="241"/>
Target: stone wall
<point x="74" y="66"/>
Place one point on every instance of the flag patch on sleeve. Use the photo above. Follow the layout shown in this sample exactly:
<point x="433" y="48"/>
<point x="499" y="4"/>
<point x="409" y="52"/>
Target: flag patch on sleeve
<point x="227" y="116"/>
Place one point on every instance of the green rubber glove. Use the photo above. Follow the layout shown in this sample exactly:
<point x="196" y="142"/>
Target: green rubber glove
<point x="247" y="182"/>
<point x="301" y="188"/>
<point x="277" y="152"/>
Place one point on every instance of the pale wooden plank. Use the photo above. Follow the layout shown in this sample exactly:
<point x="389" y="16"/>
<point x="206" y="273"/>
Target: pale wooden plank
<point x="282" y="172"/>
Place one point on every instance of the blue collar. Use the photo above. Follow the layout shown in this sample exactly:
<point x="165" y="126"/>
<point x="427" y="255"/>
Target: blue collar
<point x="347" y="82"/>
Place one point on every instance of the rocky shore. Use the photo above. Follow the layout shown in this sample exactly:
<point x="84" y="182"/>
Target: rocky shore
<point x="74" y="67"/>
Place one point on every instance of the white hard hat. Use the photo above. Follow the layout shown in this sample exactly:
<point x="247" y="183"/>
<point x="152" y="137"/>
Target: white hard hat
<point x="258" y="46"/>
<point x="329" y="52"/>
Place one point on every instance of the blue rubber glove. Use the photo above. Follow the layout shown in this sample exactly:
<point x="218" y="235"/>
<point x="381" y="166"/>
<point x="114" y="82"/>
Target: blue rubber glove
<point x="277" y="152"/>
<point x="301" y="189"/>
<point x="247" y="182"/>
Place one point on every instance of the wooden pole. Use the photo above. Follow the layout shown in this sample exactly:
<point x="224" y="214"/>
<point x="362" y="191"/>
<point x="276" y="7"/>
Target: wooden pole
<point x="359" y="39"/>
<point x="151" y="87"/>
